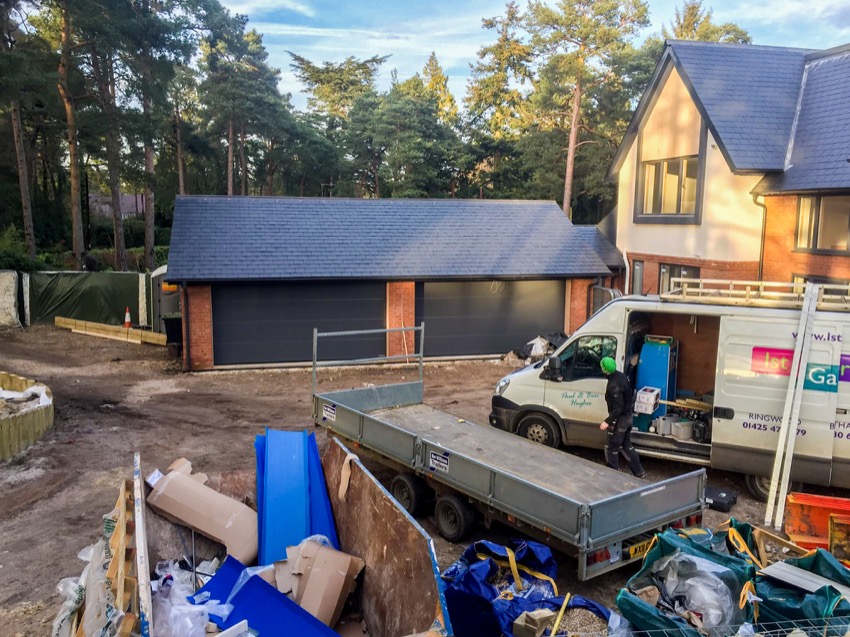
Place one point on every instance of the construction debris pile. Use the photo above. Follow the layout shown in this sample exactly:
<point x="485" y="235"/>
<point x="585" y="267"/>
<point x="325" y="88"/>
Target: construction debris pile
<point x="321" y="556"/>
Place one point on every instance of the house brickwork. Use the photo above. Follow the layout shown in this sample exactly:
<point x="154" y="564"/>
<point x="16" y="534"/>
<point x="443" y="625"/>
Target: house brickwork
<point x="577" y="310"/>
<point x="781" y="261"/>
<point x="708" y="269"/>
<point x="197" y="330"/>
<point x="401" y="312"/>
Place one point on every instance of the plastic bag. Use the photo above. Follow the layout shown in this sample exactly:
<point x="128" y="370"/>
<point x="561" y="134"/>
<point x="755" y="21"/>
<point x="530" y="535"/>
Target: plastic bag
<point x="701" y="583"/>
<point x="175" y="615"/>
<point x="73" y="591"/>
<point x="100" y="617"/>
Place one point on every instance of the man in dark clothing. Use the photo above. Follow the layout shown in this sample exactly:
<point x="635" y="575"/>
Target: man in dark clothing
<point x="621" y="401"/>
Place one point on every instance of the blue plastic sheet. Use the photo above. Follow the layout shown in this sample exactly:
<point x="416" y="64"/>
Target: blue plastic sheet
<point x="267" y="610"/>
<point x="482" y="596"/>
<point x="321" y="516"/>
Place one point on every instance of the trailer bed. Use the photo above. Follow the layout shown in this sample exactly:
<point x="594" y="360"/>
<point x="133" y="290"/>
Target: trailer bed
<point x="601" y="515"/>
<point x="580" y="480"/>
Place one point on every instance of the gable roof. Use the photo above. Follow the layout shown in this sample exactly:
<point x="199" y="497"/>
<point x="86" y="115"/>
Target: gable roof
<point x="819" y="147"/>
<point x="275" y="238"/>
<point x="606" y="250"/>
<point x="745" y="93"/>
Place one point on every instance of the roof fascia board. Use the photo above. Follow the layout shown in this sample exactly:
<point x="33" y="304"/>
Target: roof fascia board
<point x="819" y="55"/>
<point x="647" y="101"/>
<point x="484" y="277"/>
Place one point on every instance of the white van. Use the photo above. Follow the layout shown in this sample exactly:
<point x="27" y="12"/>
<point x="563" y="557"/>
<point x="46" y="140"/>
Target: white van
<point x="735" y="345"/>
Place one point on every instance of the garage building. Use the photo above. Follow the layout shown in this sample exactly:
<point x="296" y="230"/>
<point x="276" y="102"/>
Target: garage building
<point x="257" y="274"/>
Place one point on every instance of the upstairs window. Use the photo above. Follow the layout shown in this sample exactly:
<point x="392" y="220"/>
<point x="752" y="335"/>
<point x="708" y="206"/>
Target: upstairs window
<point x="667" y="272"/>
<point x="670" y="186"/>
<point x="823" y="224"/>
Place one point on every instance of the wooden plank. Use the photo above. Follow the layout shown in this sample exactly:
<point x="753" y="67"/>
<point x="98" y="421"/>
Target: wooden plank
<point x="112" y="337"/>
<point x="114" y="332"/>
<point x="143" y="570"/>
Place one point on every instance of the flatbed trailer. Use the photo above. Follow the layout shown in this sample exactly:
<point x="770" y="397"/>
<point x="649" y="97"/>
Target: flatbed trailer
<point x="603" y="517"/>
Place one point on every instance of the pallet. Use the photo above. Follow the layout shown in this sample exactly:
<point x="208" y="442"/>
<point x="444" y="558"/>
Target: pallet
<point x="123" y="576"/>
<point x="112" y="332"/>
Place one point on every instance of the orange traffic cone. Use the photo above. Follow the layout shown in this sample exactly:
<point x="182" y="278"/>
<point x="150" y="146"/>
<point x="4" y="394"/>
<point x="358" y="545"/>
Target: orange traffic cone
<point x="127" y="322"/>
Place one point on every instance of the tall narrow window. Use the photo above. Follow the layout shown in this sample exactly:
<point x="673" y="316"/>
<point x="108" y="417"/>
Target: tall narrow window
<point x="637" y="277"/>
<point x="806" y="222"/>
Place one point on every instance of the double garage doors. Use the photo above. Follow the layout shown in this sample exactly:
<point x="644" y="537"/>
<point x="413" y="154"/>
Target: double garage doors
<point x="257" y="323"/>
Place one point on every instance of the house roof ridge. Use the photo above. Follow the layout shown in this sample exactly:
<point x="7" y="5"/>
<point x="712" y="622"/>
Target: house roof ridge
<point x="401" y="200"/>
<point x="836" y="51"/>
<point x="736" y="45"/>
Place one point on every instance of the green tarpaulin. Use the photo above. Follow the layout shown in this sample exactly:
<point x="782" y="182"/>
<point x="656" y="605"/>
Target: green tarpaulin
<point x="100" y="297"/>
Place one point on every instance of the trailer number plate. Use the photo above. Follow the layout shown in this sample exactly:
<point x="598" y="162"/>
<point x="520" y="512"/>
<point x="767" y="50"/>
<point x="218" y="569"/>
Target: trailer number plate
<point x="439" y="461"/>
<point x="639" y="549"/>
<point x="329" y="412"/>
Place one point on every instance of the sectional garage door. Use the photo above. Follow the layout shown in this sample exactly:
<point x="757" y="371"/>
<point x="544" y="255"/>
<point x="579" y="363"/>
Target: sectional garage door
<point x="487" y="317"/>
<point x="273" y="322"/>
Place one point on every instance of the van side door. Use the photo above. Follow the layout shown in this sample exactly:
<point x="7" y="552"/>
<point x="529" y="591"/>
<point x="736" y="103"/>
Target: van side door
<point x="579" y="394"/>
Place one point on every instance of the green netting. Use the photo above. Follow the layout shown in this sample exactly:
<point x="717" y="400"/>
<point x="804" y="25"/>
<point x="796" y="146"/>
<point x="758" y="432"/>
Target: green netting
<point x="100" y="297"/>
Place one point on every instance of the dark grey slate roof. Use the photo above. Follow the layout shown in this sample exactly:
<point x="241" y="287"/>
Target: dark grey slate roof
<point x="749" y="95"/>
<point x="606" y="250"/>
<point x="236" y="238"/>
<point x="820" y="147"/>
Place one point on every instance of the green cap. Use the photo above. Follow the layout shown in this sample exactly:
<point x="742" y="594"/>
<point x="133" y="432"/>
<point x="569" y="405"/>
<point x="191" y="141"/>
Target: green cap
<point x="608" y="365"/>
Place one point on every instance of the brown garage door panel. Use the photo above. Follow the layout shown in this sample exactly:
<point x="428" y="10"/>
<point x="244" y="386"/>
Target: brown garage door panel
<point x="487" y="317"/>
<point x="256" y="323"/>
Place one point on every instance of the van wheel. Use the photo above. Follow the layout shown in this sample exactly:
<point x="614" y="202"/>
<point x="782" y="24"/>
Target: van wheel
<point x="454" y="517"/>
<point x="410" y="491"/>
<point x="759" y="486"/>
<point x="540" y="428"/>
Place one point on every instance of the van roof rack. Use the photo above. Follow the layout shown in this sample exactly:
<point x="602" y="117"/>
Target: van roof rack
<point x="773" y="294"/>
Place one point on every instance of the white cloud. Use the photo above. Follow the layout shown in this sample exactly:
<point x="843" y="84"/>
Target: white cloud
<point x="251" y="7"/>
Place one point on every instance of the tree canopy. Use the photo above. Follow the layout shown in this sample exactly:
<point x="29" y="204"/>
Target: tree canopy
<point x="114" y="107"/>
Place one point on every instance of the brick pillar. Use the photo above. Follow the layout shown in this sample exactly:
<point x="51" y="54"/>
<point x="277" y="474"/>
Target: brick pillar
<point x="401" y="312"/>
<point x="577" y="300"/>
<point x="197" y="330"/>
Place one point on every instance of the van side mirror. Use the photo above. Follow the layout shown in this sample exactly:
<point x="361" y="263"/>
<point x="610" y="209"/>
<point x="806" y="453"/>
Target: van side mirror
<point x="554" y="365"/>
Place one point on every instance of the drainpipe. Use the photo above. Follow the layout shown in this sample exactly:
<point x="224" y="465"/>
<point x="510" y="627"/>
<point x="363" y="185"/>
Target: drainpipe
<point x="628" y="282"/>
<point x="763" y="207"/>
<point x="188" y="339"/>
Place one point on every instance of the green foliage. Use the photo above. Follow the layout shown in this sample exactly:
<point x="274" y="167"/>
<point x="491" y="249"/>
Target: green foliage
<point x="13" y="252"/>
<point x="693" y="22"/>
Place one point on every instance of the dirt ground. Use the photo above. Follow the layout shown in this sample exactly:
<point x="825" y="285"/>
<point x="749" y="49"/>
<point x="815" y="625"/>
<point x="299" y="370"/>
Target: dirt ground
<point x="114" y="398"/>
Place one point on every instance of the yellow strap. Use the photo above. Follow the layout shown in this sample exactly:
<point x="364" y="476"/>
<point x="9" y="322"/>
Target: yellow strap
<point x="519" y="567"/>
<point x="560" y="614"/>
<point x="740" y="544"/>
<point x="836" y="603"/>
<point x="749" y="587"/>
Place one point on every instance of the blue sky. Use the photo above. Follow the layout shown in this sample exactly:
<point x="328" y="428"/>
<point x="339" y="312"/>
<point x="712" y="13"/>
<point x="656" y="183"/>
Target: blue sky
<point x="409" y="30"/>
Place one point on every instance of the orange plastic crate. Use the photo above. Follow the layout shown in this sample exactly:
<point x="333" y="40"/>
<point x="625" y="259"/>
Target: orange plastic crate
<point x="807" y="518"/>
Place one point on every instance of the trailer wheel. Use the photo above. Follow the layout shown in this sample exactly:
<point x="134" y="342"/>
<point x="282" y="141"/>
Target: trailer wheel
<point x="410" y="491"/>
<point x="454" y="517"/>
<point x="540" y="428"/>
<point x="759" y="486"/>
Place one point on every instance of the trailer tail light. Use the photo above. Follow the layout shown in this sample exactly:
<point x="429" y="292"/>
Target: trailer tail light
<point x="695" y="520"/>
<point x="678" y="524"/>
<point x="601" y="555"/>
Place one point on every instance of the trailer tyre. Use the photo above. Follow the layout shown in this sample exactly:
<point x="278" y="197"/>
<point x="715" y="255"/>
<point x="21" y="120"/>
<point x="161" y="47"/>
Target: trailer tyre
<point x="454" y="517"/>
<point x="759" y="486"/>
<point x="540" y="428"/>
<point x="410" y="491"/>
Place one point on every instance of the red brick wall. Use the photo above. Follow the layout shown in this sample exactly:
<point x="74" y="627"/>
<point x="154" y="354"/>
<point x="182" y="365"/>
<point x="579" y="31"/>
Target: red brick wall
<point x="781" y="262"/>
<point x="576" y="303"/>
<point x="737" y="270"/>
<point x="401" y="312"/>
<point x="198" y="343"/>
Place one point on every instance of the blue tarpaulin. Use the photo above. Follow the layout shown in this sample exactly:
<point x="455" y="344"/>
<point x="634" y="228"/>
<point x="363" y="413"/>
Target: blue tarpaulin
<point x="267" y="610"/>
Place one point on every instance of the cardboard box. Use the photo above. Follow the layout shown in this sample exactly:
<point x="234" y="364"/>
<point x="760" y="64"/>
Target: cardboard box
<point x="645" y="408"/>
<point x="318" y="578"/>
<point x="533" y="623"/>
<point x="648" y="395"/>
<point x="182" y="497"/>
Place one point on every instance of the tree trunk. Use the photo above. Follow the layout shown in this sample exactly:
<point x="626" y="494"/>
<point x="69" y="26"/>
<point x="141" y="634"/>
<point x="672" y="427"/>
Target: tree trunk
<point x="230" y="156"/>
<point x="571" y="149"/>
<point x="242" y="161"/>
<point x="71" y="121"/>
<point x="181" y="175"/>
<point x="301" y="187"/>
<point x="23" y="180"/>
<point x="149" y="171"/>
